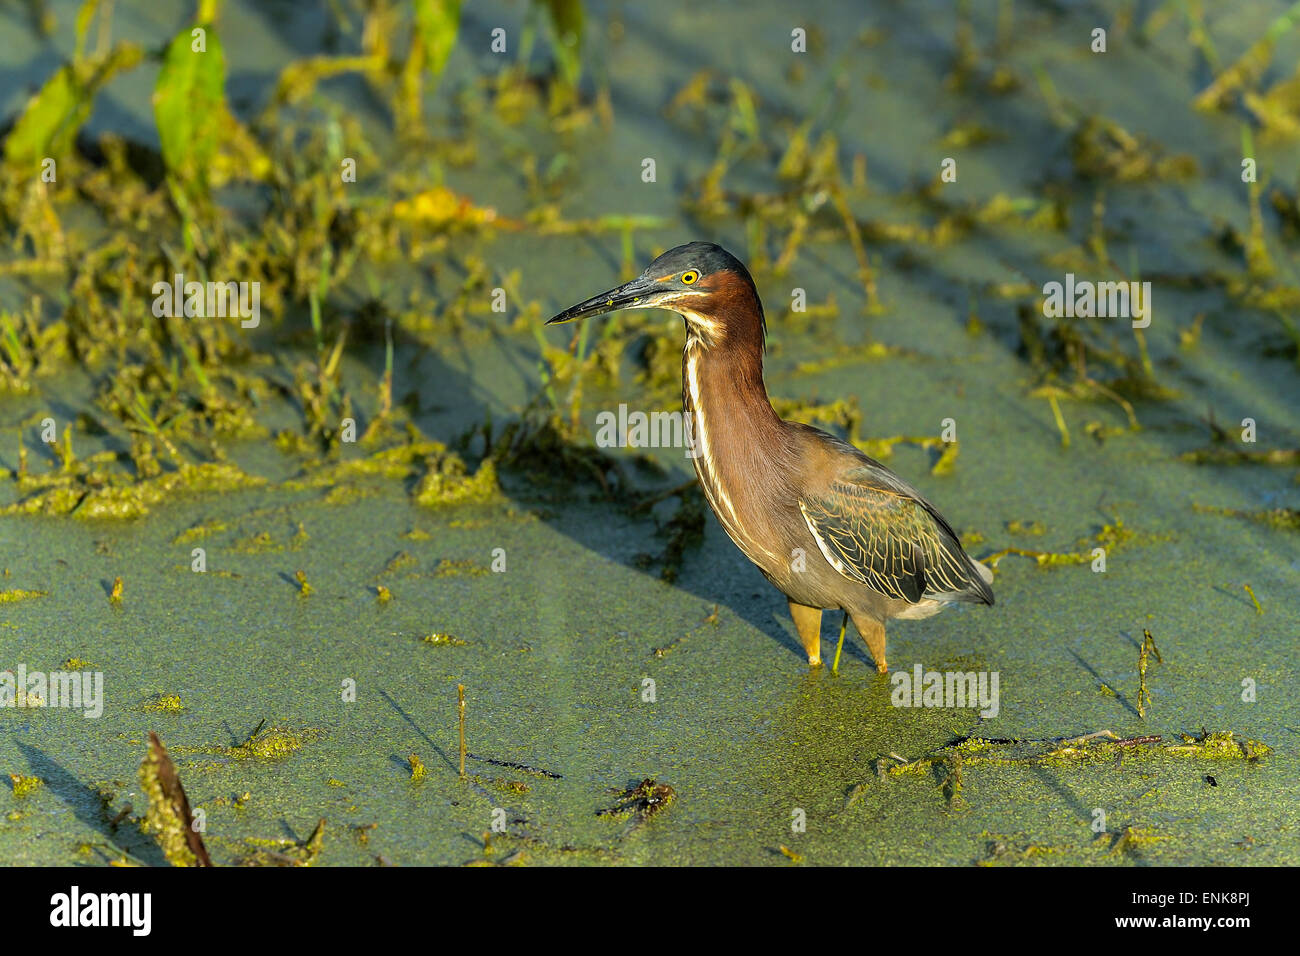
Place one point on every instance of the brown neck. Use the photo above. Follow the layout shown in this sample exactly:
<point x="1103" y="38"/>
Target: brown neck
<point x="740" y="447"/>
<point x="736" y="430"/>
<point x="728" y="378"/>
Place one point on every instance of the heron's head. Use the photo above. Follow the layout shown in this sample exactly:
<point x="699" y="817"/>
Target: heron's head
<point x="705" y="284"/>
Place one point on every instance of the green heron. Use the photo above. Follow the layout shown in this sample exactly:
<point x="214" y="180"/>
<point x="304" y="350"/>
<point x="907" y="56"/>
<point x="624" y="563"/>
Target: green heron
<point x="828" y="526"/>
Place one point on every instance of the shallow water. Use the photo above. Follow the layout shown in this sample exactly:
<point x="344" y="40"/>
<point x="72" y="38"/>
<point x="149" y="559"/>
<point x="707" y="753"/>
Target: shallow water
<point x="558" y="647"/>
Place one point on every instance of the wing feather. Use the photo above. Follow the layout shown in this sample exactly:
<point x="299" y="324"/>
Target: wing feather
<point x="875" y="529"/>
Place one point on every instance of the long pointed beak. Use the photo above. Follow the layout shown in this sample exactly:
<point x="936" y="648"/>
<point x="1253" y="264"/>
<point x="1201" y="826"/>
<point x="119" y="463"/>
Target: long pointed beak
<point x="640" y="293"/>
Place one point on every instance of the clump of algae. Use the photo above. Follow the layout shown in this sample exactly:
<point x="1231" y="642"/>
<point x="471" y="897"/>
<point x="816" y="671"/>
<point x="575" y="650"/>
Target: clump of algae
<point x="1066" y="752"/>
<point x="1242" y="456"/>
<point x="455" y="567"/>
<point x="282" y="852"/>
<point x="641" y="802"/>
<point x="1109" y="537"/>
<point x="516" y="787"/>
<point x="442" y="639"/>
<point x="169" y="817"/>
<point x="24" y="784"/>
<point x="1224" y="745"/>
<point x="400" y="561"/>
<point x="163" y="704"/>
<point x="95" y="495"/>
<point x="1102" y="149"/>
<point x="273" y="743"/>
<point x="448" y="482"/>
<point x="201" y="530"/>
<point x="443" y="476"/>
<point x="1282" y="519"/>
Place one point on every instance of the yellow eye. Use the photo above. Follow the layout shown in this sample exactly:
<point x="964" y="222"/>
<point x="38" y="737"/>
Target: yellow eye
<point x="689" y="277"/>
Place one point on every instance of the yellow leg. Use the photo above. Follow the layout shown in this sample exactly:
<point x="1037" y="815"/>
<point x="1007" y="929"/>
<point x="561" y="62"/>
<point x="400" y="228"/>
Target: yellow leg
<point x="844" y="626"/>
<point x="808" y="622"/>
<point x="873" y="635"/>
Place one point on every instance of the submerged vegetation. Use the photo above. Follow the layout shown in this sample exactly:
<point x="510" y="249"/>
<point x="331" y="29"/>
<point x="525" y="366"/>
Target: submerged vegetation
<point x="329" y="222"/>
<point x="382" y="259"/>
<point x="1069" y="753"/>
<point x="172" y="390"/>
<point x="181" y="386"/>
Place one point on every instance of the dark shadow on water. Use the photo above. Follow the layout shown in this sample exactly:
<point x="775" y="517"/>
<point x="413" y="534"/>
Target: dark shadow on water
<point x="1119" y="696"/>
<point x="85" y="803"/>
<point x="1234" y="596"/>
<point x="452" y="765"/>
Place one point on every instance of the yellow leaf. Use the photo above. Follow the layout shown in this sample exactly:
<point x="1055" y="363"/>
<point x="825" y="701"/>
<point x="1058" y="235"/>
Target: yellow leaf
<point x="442" y="207"/>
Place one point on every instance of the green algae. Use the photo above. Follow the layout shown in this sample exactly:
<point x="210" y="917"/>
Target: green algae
<point x="201" y="531"/>
<point x="1280" y="519"/>
<point x="270" y="744"/>
<point x="458" y="567"/>
<point x="795" y="223"/>
<point x="283" y="852"/>
<point x="399" y="562"/>
<point x="89" y="500"/>
<point x="273" y="743"/>
<point x="1026" y="527"/>
<point x="1102" y="149"/>
<point x="1109" y="537"/>
<point x="169" y="818"/>
<point x="1136" y="839"/>
<point x="448" y="482"/>
<point x="514" y="787"/>
<point x="1102" y="748"/>
<point x="1242" y="456"/>
<point x="259" y="543"/>
<point x="396" y="462"/>
<point x="1000" y="851"/>
<point x="24" y="785"/>
<point x="442" y="639"/>
<point x="163" y="704"/>
<point x="641" y="802"/>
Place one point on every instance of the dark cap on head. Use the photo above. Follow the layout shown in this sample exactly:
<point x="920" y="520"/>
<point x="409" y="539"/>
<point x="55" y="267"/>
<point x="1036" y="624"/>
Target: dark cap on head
<point x="706" y="257"/>
<point x="701" y="281"/>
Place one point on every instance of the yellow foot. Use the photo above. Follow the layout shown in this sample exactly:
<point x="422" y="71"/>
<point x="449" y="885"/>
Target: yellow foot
<point x="814" y="660"/>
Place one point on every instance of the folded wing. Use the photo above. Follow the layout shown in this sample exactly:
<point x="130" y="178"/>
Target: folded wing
<point x="874" y="528"/>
